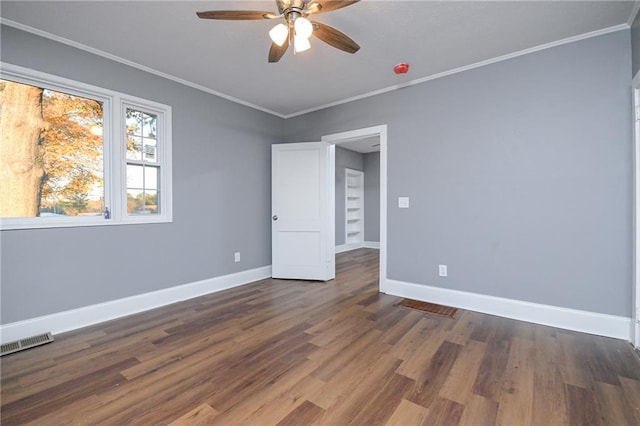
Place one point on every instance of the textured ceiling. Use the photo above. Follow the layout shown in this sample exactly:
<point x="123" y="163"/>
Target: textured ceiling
<point x="230" y="57"/>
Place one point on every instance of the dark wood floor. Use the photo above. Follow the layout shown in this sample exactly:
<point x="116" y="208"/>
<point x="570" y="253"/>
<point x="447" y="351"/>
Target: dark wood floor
<point x="298" y="353"/>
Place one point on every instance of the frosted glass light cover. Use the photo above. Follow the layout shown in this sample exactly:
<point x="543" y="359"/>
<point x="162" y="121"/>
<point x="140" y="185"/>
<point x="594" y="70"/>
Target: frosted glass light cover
<point x="279" y="34"/>
<point x="301" y="43"/>
<point x="303" y="27"/>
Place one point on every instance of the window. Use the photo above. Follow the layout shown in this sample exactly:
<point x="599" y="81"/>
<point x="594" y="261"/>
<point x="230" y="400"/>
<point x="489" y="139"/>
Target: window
<point x="77" y="155"/>
<point x="143" y="169"/>
<point x="52" y="153"/>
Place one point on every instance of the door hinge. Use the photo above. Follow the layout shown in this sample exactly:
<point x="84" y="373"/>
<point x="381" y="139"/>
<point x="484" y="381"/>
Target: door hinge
<point x="637" y="117"/>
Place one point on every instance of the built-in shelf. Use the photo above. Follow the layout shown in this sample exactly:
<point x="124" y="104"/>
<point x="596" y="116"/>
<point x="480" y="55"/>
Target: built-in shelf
<point x="354" y="194"/>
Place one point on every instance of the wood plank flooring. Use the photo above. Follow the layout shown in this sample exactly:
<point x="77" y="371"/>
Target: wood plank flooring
<point x="280" y="352"/>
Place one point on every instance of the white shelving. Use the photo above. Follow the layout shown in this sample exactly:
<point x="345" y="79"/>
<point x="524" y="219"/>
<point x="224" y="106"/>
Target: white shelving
<point x="354" y="202"/>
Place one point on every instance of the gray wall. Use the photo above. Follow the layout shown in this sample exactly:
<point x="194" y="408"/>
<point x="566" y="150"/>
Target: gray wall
<point x="635" y="44"/>
<point x="372" y="197"/>
<point x="345" y="159"/>
<point x="221" y="193"/>
<point x="519" y="175"/>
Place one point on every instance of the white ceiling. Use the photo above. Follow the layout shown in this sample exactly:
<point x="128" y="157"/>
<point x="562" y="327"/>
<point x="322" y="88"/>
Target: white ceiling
<point x="362" y="145"/>
<point x="230" y="57"/>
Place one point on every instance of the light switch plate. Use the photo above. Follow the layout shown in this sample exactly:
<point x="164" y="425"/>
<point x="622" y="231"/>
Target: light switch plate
<point x="403" y="202"/>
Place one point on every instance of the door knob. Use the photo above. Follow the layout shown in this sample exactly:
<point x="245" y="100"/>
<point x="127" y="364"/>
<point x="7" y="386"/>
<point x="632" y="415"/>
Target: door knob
<point x="274" y="217"/>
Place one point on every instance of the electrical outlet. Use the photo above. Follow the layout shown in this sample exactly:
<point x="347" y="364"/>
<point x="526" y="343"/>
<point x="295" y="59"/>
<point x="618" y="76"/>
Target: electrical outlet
<point x="236" y="257"/>
<point x="442" y="270"/>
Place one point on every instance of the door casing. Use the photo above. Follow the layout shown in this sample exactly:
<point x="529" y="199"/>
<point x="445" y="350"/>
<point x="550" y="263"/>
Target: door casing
<point x="635" y="320"/>
<point x="381" y="132"/>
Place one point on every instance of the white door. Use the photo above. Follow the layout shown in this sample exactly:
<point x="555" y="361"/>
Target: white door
<point x="302" y="188"/>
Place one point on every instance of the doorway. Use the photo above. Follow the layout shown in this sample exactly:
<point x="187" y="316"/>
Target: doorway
<point x="379" y="132"/>
<point x="357" y="194"/>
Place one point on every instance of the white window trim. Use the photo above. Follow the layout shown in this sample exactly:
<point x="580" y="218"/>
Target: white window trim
<point x="114" y="152"/>
<point x="163" y="113"/>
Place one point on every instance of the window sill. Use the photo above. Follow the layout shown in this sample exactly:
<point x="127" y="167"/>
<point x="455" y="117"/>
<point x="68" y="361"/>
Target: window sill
<point x="38" y="223"/>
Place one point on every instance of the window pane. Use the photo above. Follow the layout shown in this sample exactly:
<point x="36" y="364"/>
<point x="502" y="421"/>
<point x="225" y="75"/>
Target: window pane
<point x="140" y="202"/>
<point x="151" y="175"/>
<point x="134" y="122"/>
<point x="141" y="136"/>
<point x="149" y="123"/>
<point x="151" y="202"/>
<point x="134" y="147"/>
<point x="142" y="189"/>
<point x="135" y="176"/>
<point x="150" y="150"/>
<point x="135" y="201"/>
<point x="53" y="161"/>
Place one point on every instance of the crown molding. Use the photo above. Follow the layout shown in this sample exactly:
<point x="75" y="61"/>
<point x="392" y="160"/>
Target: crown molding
<point x="132" y="64"/>
<point x="568" y="40"/>
<point x="141" y="67"/>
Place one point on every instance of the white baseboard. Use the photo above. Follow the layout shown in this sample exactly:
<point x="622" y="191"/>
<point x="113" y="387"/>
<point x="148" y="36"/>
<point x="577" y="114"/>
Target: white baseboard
<point x="348" y="247"/>
<point x="554" y="316"/>
<point x="93" y="314"/>
<point x="570" y="319"/>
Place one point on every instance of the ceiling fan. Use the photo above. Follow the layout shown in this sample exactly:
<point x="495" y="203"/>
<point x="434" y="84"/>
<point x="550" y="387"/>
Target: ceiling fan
<point x="297" y="28"/>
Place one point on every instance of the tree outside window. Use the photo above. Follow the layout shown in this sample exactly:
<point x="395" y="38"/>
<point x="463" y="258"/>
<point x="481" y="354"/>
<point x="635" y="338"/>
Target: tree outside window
<point x="51" y="153"/>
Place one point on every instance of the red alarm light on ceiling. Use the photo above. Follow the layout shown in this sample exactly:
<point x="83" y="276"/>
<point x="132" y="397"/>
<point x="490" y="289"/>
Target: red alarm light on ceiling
<point x="401" y="68"/>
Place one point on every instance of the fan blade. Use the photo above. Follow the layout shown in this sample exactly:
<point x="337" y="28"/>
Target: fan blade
<point x="335" y="38"/>
<point x="276" y="52"/>
<point x="236" y="15"/>
<point x="321" y="6"/>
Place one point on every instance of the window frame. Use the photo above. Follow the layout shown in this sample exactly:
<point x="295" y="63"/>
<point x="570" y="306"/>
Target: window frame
<point x="163" y="150"/>
<point x="114" y="152"/>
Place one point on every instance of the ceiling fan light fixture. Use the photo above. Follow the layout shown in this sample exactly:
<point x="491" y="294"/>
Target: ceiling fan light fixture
<point x="300" y="44"/>
<point x="303" y="27"/>
<point x="296" y="29"/>
<point x="279" y="34"/>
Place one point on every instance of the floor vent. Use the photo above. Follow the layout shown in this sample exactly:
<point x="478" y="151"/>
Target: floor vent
<point x="432" y="308"/>
<point x="29" y="342"/>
